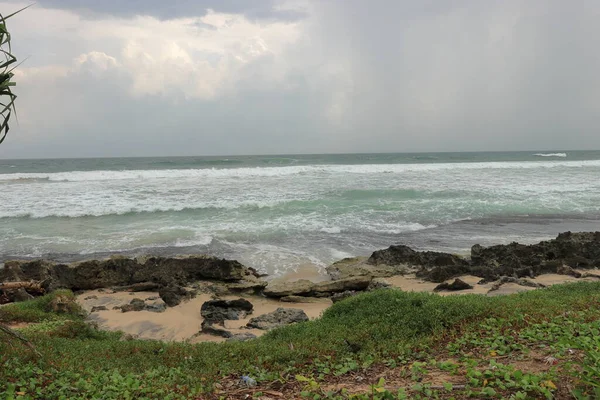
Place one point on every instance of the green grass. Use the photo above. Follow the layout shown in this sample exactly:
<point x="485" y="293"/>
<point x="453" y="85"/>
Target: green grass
<point x="385" y="330"/>
<point x="39" y="309"/>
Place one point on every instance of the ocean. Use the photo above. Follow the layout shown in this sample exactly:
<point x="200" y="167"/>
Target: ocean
<point x="277" y="213"/>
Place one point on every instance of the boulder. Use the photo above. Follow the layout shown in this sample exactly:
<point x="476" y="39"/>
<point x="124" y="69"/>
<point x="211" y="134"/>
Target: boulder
<point x="441" y="274"/>
<point x="566" y="270"/>
<point x="343" y="295"/>
<point x="172" y="295"/>
<point x="404" y="255"/>
<point x="358" y="266"/>
<point x="221" y="310"/>
<point x="209" y="328"/>
<point x="156" y="306"/>
<point x="134" y="305"/>
<point x="279" y="317"/>
<point x="302" y="287"/>
<point x="342" y="285"/>
<point x="458" y="284"/>
<point x="379" y="283"/>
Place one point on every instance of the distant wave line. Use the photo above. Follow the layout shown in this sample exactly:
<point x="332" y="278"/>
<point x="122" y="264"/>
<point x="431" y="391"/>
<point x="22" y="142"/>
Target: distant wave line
<point x="234" y="173"/>
<point x="562" y="155"/>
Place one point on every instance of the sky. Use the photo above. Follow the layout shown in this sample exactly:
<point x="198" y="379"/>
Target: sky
<point x="116" y="78"/>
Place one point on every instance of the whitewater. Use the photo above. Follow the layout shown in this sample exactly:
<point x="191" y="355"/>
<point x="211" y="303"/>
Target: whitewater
<point x="276" y="213"/>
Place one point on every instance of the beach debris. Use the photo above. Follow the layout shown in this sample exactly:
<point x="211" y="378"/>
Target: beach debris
<point x="279" y="317"/>
<point x="457" y="285"/>
<point x="247" y="381"/>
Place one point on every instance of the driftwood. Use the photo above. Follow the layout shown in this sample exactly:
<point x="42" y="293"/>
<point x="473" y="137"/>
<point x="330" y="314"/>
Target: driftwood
<point x="19" y="337"/>
<point x="31" y="286"/>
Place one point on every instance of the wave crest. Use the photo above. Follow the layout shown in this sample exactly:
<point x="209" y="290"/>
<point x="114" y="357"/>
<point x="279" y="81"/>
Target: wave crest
<point x="562" y="155"/>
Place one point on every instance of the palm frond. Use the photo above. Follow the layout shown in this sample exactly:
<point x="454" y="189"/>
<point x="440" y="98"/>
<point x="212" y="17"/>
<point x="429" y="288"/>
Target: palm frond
<point x="7" y="97"/>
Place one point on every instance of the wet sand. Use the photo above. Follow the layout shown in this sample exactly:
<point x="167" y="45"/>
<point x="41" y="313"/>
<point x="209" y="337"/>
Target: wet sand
<point x="182" y="323"/>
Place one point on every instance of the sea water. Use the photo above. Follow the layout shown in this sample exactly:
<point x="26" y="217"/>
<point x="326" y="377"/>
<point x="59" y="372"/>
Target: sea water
<point x="276" y="213"/>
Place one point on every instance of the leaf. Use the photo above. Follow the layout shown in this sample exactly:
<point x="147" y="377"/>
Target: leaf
<point x="550" y="385"/>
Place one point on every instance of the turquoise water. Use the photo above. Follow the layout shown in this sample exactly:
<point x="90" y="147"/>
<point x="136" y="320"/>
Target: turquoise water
<point x="279" y="212"/>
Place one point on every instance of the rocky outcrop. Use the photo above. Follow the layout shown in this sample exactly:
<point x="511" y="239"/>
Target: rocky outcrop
<point x="457" y="285"/>
<point x="221" y="310"/>
<point x="560" y="255"/>
<point x="302" y="287"/>
<point x="307" y="288"/>
<point x="212" y="328"/>
<point x="573" y="250"/>
<point x="358" y="266"/>
<point x="279" y="317"/>
<point x="404" y="255"/>
<point x="174" y="295"/>
<point x="136" y="273"/>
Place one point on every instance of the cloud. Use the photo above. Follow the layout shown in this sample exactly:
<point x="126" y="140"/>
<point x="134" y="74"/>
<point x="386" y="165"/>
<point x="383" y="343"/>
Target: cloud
<point x="164" y="10"/>
<point x="349" y="76"/>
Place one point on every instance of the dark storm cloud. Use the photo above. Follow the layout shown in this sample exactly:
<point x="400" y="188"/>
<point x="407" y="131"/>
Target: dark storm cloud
<point x="259" y="9"/>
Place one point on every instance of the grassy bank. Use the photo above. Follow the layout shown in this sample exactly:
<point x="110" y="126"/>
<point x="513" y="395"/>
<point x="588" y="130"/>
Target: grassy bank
<point x="380" y="345"/>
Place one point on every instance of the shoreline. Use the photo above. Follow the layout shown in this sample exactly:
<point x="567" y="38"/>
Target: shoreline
<point x="158" y="298"/>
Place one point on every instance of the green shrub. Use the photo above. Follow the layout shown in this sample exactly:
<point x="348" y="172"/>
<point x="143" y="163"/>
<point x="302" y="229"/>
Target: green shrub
<point x="42" y="308"/>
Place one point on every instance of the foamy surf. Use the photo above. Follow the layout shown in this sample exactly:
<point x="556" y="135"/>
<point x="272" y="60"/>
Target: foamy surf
<point x="562" y="155"/>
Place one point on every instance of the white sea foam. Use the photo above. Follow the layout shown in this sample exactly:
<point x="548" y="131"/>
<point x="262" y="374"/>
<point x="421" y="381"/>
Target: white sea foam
<point x="551" y="155"/>
<point x="170" y="175"/>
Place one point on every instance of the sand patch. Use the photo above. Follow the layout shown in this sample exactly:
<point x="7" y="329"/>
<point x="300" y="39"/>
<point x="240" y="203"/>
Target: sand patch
<point x="180" y="323"/>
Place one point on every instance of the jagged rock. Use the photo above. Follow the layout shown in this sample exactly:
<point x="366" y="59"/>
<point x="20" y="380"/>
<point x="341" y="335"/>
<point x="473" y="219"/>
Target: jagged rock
<point x="343" y="295"/>
<point x="379" y="283"/>
<point x="404" y="255"/>
<point x="134" y="305"/>
<point x="221" y="310"/>
<point x="241" y="337"/>
<point x="126" y="273"/>
<point x="566" y="270"/>
<point x="209" y="327"/>
<point x="252" y="286"/>
<point x="98" y="308"/>
<point x="300" y="299"/>
<point x="172" y="295"/>
<point x="279" y="317"/>
<point x="358" y="266"/>
<point x="300" y="287"/>
<point x="341" y="285"/>
<point x="91" y="298"/>
<point x="518" y="281"/>
<point x="156" y="306"/>
<point x="458" y="284"/>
